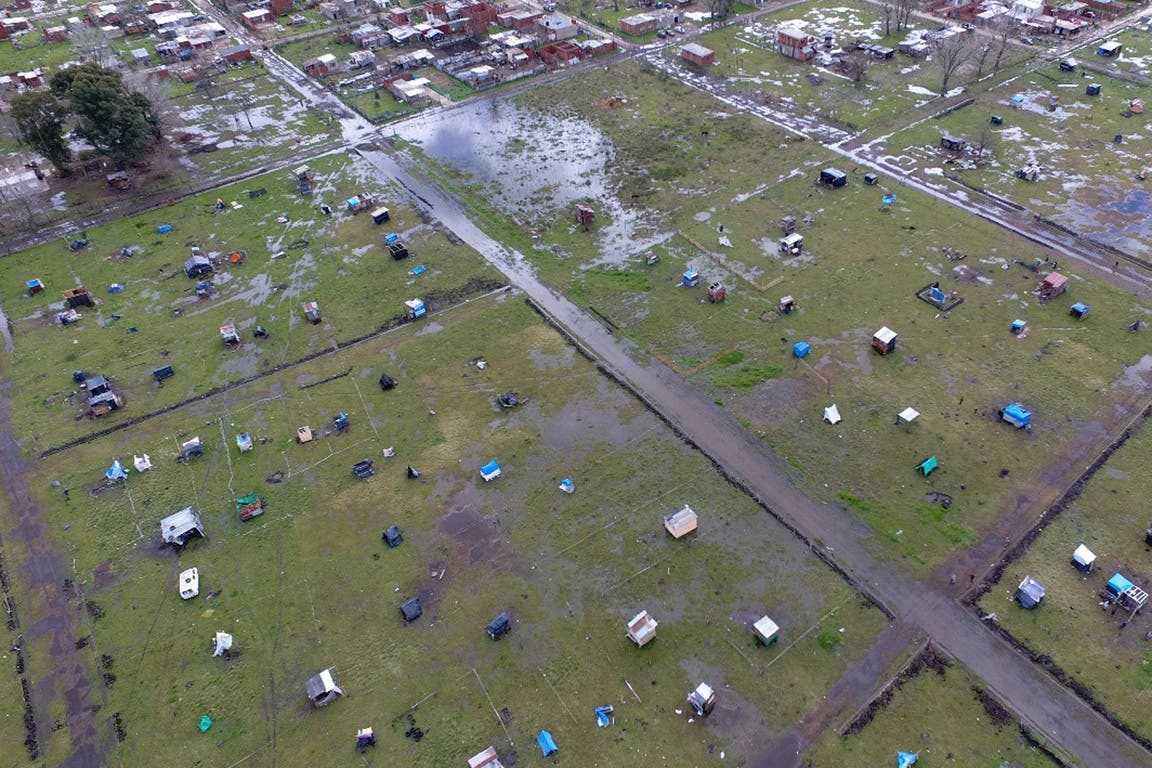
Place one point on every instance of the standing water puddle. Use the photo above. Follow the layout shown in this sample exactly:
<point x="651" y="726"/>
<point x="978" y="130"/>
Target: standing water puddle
<point x="534" y="165"/>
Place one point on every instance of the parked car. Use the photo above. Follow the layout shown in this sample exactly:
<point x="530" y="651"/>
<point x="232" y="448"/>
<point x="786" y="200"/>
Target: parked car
<point x="1027" y="41"/>
<point x="661" y="34"/>
<point x="678" y="29"/>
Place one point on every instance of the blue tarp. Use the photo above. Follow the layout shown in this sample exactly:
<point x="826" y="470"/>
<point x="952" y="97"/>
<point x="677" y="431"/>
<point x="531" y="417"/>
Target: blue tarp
<point x="603" y="716"/>
<point x="691" y="278"/>
<point x="888" y="199"/>
<point x="1017" y="99"/>
<point x="352" y="202"/>
<point x="116" y="472"/>
<point x="163" y="228"/>
<point x="1016" y="412"/>
<point x="547" y="745"/>
<point x="801" y="349"/>
<point x="905" y="759"/>
<point x="937" y="295"/>
<point x="418" y="270"/>
<point x="391" y="238"/>
<point x="1118" y="585"/>
<point x="1079" y="309"/>
<point x="490" y="470"/>
<point x="567" y="485"/>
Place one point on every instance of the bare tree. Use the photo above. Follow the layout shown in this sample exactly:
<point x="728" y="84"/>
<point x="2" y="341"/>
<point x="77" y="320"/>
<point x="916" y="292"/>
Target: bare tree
<point x="721" y="9"/>
<point x="986" y="144"/>
<point x="888" y="10"/>
<point x="855" y="67"/>
<point x="981" y="56"/>
<point x="91" y="44"/>
<point x="158" y="92"/>
<point x="1002" y="32"/>
<point x="904" y="10"/>
<point x="950" y="55"/>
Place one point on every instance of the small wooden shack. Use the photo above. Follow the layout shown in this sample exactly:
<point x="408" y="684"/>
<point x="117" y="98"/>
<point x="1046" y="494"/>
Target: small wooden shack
<point x="312" y="312"/>
<point x="694" y="53"/>
<point x="485" y="759"/>
<point x="322" y="689"/>
<point x="1053" y="285"/>
<point x="884" y="340"/>
<point x="681" y="522"/>
<point x="766" y="630"/>
<point x="585" y="215"/>
<point x="78" y="297"/>
<point x="642" y="629"/>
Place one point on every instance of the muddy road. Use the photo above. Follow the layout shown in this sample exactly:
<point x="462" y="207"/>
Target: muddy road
<point x="43" y="577"/>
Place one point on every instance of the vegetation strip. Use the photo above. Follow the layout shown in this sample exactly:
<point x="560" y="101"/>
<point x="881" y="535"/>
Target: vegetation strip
<point x="473" y="286"/>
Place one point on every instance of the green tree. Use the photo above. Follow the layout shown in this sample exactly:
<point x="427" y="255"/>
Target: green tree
<point x="40" y="119"/>
<point x="117" y="122"/>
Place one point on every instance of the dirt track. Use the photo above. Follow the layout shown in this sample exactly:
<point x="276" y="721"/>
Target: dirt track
<point x="43" y="576"/>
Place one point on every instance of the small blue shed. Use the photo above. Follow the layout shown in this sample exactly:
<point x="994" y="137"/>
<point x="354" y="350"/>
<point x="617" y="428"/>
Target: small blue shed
<point x="490" y="471"/>
<point x="1118" y="585"/>
<point x="547" y="744"/>
<point x="691" y="278"/>
<point x="1016" y="415"/>
<point x="1079" y="310"/>
<point x="801" y="349"/>
<point x="1018" y="327"/>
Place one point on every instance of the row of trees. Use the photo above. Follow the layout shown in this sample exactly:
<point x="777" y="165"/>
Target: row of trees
<point x="94" y="104"/>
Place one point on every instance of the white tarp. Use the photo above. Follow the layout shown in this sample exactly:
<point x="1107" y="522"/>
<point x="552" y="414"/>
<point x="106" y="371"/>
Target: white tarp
<point x="222" y="642"/>
<point x="908" y="415"/>
<point x="142" y="463"/>
<point x="832" y="414"/>
<point x="1084" y="556"/>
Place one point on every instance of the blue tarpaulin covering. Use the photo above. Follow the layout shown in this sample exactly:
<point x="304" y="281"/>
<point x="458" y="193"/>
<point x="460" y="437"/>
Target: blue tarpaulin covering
<point x="391" y="238"/>
<point x="352" y="202"/>
<point x="547" y="745"/>
<point x="163" y="228"/>
<point x="905" y="759"/>
<point x="801" y="349"/>
<point x="1018" y="415"/>
<point x="1118" y="585"/>
<point x="937" y="295"/>
<point x="490" y="470"/>
<point x="888" y="199"/>
<point x="691" y="278"/>
<point x="419" y="270"/>
<point x="116" y="472"/>
<point x="603" y="716"/>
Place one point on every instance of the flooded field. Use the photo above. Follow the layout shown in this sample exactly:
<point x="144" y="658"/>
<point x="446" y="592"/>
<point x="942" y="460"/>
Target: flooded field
<point x="536" y="166"/>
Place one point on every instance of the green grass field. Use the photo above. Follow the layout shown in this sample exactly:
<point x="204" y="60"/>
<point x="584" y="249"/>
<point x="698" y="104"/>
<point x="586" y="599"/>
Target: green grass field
<point x="310" y="585"/>
<point x="679" y="164"/>
<point x="338" y="261"/>
<point x="746" y="57"/>
<point x="1090" y="643"/>
<point x="938" y="714"/>
<point x="1088" y="181"/>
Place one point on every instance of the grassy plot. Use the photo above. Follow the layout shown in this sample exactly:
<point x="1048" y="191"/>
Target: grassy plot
<point x="716" y="210"/>
<point x="747" y="58"/>
<point x="942" y="713"/>
<point x="1088" y="181"/>
<point x="294" y="254"/>
<point x="251" y="118"/>
<point x="1095" y="646"/>
<point x="32" y="52"/>
<point x="310" y="585"/>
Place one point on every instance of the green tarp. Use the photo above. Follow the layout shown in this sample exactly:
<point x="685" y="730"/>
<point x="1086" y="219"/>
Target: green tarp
<point x="925" y="467"/>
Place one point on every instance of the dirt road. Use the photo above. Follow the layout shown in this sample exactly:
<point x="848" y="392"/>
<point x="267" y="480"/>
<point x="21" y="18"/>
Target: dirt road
<point x="47" y="623"/>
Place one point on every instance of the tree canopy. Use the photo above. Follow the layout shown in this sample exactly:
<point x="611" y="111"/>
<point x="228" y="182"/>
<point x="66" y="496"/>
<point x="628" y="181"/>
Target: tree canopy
<point x="40" y="120"/>
<point x="116" y="121"/>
